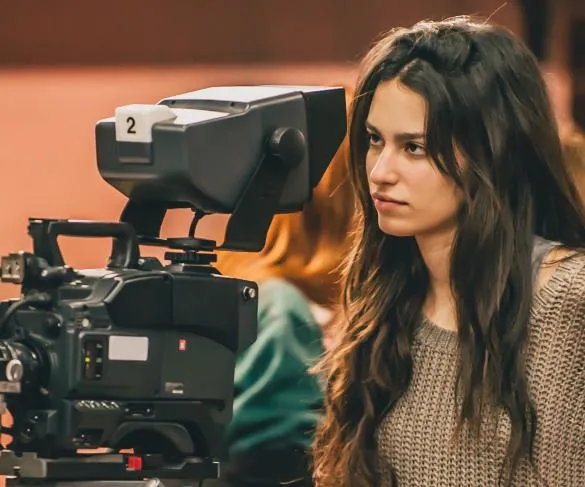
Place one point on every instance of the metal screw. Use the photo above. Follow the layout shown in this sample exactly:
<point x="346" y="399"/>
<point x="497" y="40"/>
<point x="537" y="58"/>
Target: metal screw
<point x="14" y="370"/>
<point x="248" y="293"/>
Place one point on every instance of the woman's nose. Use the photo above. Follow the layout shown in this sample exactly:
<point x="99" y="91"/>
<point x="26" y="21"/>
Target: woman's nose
<point x="384" y="170"/>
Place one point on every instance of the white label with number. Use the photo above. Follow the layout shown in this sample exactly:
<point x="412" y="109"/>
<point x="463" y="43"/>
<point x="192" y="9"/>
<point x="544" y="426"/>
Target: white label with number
<point x="134" y="122"/>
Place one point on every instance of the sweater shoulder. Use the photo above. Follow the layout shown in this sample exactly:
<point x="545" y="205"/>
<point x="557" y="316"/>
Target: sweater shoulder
<point x="555" y="361"/>
<point x="565" y="290"/>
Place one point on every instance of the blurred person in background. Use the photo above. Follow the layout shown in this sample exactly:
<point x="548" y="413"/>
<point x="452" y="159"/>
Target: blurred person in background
<point x="573" y="142"/>
<point x="543" y="34"/>
<point x="277" y="401"/>
<point x="540" y="32"/>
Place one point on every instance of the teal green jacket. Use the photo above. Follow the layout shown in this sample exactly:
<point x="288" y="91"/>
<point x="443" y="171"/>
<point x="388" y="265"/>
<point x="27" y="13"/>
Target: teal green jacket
<point x="277" y="402"/>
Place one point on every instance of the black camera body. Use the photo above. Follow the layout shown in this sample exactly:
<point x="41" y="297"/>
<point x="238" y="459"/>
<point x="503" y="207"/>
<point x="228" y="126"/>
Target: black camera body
<point x="140" y="355"/>
<point x="125" y="358"/>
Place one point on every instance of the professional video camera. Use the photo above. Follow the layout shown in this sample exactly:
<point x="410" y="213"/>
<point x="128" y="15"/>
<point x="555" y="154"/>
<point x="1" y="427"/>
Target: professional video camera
<point x="139" y="355"/>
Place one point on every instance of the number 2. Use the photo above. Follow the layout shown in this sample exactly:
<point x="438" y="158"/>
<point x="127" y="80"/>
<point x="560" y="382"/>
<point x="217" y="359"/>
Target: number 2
<point x="131" y="122"/>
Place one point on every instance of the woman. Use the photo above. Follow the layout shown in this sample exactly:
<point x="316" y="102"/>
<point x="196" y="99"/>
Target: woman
<point x="277" y="401"/>
<point x="463" y="359"/>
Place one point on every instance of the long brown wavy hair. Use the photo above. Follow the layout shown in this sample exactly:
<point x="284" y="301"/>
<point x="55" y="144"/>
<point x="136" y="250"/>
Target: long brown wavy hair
<point x="307" y="247"/>
<point x="486" y="98"/>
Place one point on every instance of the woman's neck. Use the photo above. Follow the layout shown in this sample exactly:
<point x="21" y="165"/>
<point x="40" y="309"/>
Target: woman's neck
<point x="439" y="306"/>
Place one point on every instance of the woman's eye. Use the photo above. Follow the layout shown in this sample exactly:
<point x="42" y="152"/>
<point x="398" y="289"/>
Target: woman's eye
<point x="374" y="139"/>
<point x="415" y="149"/>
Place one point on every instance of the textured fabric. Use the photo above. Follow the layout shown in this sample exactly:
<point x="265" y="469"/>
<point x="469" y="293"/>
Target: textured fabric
<point x="277" y="402"/>
<point x="415" y="437"/>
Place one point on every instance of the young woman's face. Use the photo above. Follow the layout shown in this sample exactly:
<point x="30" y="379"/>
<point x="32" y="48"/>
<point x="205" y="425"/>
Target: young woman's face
<point x="412" y="197"/>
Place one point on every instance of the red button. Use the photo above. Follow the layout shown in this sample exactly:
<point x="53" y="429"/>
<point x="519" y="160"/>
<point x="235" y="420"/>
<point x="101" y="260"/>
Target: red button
<point x="134" y="463"/>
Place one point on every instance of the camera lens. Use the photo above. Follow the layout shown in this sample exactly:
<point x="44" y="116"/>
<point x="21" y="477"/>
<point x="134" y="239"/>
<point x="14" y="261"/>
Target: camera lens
<point x="18" y="367"/>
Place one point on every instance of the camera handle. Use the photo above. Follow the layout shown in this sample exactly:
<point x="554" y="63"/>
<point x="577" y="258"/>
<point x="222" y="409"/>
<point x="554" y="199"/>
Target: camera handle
<point x="44" y="233"/>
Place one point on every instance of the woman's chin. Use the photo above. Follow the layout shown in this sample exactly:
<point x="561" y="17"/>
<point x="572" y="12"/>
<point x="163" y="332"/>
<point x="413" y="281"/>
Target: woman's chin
<point x="396" y="229"/>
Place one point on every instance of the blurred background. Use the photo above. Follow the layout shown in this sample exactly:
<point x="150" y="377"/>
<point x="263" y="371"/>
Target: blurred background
<point x="64" y="64"/>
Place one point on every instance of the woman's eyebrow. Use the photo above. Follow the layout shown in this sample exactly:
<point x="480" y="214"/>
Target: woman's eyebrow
<point x="399" y="137"/>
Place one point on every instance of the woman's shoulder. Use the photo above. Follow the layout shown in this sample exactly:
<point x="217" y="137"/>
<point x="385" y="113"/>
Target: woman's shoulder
<point x="561" y="281"/>
<point x="555" y="355"/>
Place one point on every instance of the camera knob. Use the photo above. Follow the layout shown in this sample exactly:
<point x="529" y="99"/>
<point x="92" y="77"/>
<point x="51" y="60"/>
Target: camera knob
<point x="288" y="144"/>
<point x="14" y="370"/>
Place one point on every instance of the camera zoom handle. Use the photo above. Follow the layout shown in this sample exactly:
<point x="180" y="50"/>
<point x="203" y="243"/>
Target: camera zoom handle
<point x="44" y="233"/>
<point x="248" y="225"/>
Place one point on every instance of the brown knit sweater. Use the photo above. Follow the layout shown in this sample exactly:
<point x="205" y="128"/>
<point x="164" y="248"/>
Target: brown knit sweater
<point x="414" y="439"/>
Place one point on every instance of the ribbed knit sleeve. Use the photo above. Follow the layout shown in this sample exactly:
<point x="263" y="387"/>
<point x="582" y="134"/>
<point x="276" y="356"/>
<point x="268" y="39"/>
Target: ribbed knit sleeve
<point x="556" y="377"/>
